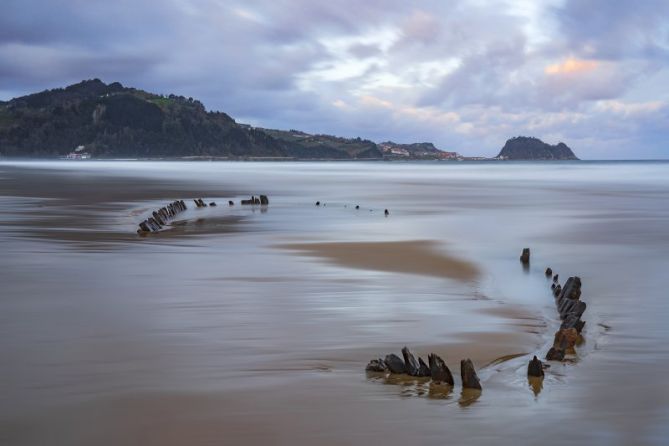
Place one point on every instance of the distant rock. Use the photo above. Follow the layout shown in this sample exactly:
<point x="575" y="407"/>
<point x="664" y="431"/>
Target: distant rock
<point x="528" y="148"/>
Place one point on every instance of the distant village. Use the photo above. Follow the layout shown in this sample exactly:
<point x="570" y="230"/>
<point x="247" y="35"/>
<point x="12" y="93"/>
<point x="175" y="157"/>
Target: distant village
<point x="399" y="151"/>
<point x="78" y="154"/>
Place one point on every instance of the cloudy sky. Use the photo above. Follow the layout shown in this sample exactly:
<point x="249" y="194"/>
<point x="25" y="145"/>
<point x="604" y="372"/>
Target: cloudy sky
<point x="464" y="74"/>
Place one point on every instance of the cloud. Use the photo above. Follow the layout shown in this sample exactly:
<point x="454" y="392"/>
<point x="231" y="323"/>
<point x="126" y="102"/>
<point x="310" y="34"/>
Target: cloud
<point x="464" y="74"/>
<point x="572" y="65"/>
<point x="614" y="30"/>
<point x="421" y="27"/>
<point x="631" y="109"/>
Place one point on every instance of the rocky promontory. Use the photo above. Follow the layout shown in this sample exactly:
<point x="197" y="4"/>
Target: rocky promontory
<point x="529" y="148"/>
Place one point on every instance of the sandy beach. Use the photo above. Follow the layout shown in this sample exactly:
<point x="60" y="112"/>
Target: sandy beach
<point x="237" y="325"/>
<point x="407" y="257"/>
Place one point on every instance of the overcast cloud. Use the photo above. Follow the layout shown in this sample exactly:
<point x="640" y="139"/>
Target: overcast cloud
<point x="464" y="74"/>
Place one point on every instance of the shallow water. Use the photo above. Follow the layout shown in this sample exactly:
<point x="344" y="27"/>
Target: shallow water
<point x="218" y="331"/>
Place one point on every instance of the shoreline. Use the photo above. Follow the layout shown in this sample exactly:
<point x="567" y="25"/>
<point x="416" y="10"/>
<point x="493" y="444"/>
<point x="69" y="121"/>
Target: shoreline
<point x="474" y="160"/>
<point x="292" y="159"/>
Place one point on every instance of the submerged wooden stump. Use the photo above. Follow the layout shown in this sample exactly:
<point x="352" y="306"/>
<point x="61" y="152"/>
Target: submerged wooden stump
<point x="394" y="363"/>
<point x="565" y="339"/>
<point x="376" y="365"/>
<point x="156" y="216"/>
<point x="261" y="200"/>
<point x="573" y="321"/>
<point x="161" y="217"/>
<point x="570" y="309"/>
<point x="410" y="363"/>
<point x="535" y="368"/>
<point x="555" y="354"/>
<point x="423" y="369"/>
<point x="525" y="256"/>
<point x="439" y="371"/>
<point x="470" y="379"/>
<point x="571" y="289"/>
<point x="143" y="228"/>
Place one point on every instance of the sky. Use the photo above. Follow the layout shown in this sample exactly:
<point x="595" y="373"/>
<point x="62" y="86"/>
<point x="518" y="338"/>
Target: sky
<point x="463" y="74"/>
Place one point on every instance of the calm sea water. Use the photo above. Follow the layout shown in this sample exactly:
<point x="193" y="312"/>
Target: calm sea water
<point x="214" y="333"/>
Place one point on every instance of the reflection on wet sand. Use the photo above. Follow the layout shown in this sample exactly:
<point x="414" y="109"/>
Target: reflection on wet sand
<point x="536" y="383"/>
<point x="411" y="386"/>
<point x="440" y="391"/>
<point x="469" y="397"/>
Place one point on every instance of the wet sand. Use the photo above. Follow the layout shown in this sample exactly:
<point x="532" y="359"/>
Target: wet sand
<point x="408" y="257"/>
<point x="209" y="334"/>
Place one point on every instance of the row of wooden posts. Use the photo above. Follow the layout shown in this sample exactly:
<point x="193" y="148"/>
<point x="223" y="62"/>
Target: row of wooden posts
<point x="570" y="308"/>
<point x="261" y="200"/>
<point x="162" y="216"/>
<point x="386" y="212"/>
<point x="435" y="369"/>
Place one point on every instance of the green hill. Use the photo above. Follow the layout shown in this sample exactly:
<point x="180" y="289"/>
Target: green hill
<point x="113" y="121"/>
